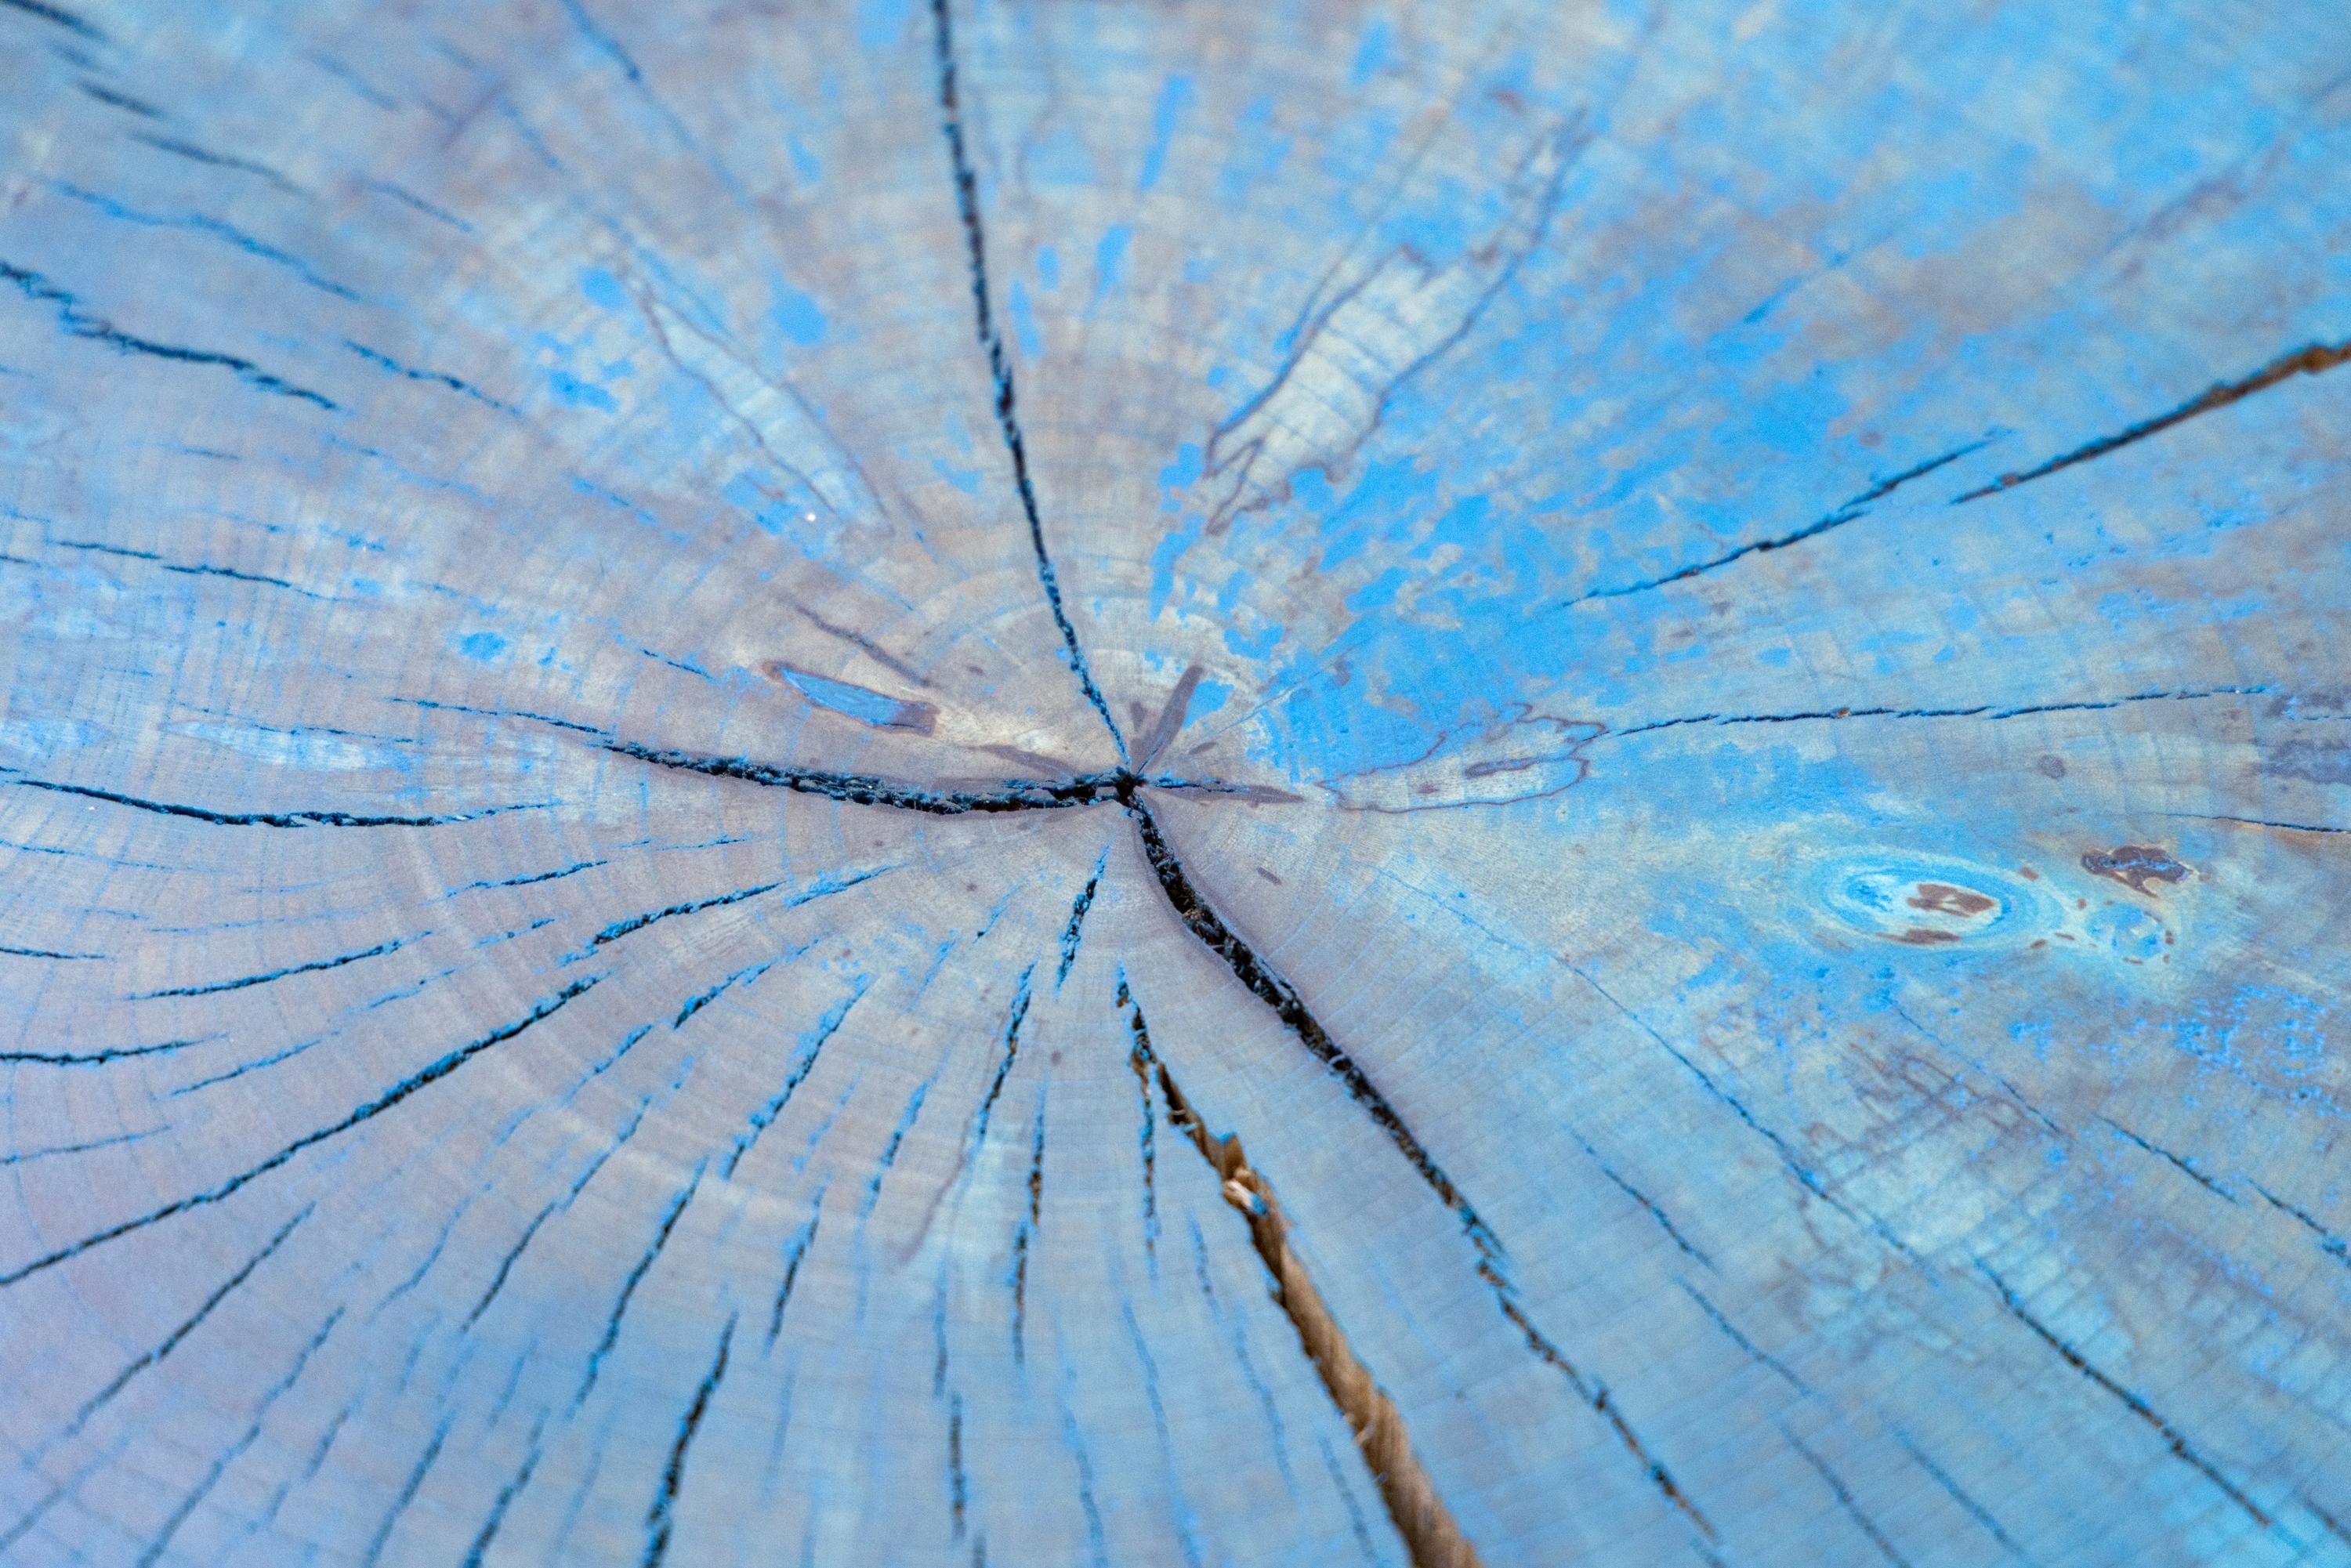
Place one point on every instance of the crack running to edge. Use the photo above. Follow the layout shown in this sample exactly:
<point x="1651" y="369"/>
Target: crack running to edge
<point x="1981" y="710"/>
<point x="2307" y="360"/>
<point x="1432" y="1537"/>
<point x="1269" y="986"/>
<point x="999" y="364"/>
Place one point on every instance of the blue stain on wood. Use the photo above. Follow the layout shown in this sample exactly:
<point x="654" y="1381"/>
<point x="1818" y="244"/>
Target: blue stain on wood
<point x="1733" y="846"/>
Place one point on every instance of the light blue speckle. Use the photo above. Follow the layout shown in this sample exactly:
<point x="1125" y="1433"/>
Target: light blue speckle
<point x="1164" y="556"/>
<point x="577" y="394"/>
<point x="1024" y="322"/>
<point x="482" y="647"/>
<point x="797" y="314"/>
<point x="1173" y="96"/>
<point x="603" y="288"/>
<point x="881" y="23"/>
<point x="1109" y="257"/>
<point x="1182" y="473"/>
<point x="1378" y="39"/>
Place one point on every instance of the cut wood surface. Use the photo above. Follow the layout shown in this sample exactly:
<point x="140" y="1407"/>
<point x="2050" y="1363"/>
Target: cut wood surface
<point x="1109" y="784"/>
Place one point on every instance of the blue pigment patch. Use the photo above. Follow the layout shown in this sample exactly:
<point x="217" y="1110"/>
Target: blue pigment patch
<point x="603" y="288"/>
<point x="1173" y="97"/>
<point x="797" y="316"/>
<point x="574" y="392"/>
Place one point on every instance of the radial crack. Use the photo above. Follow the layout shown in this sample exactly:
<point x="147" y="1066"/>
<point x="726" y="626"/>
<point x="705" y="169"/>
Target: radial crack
<point x="1980" y="710"/>
<point x="1431" y="1536"/>
<point x="1851" y="511"/>
<point x="999" y="364"/>
<point x="2307" y="360"/>
<point x="660" y="1520"/>
<point x="230" y="1186"/>
<point x="1277" y="993"/>
<point x="2173" y="1437"/>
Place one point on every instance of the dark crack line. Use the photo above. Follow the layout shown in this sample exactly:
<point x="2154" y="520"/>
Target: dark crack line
<point x="415" y="1483"/>
<point x="268" y="819"/>
<point x="2172" y="1436"/>
<point x="235" y="1451"/>
<point x="57" y="17"/>
<point x="121" y="101"/>
<point x="802" y="1242"/>
<point x="873" y="790"/>
<point x="2186" y="1167"/>
<point x="1951" y="1489"/>
<point x="1851" y="511"/>
<point x="1432" y="1537"/>
<point x="889" y="1157"/>
<point x="765" y="1116"/>
<point x="1980" y="710"/>
<point x="422" y="1078"/>
<point x="1140" y="1061"/>
<point x="659" y="1518"/>
<point x="22" y="1156"/>
<point x="1074" y="931"/>
<point x="2257" y="822"/>
<point x="98" y="1058"/>
<point x="999" y="364"/>
<point x="2334" y="1246"/>
<point x="261" y="980"/>
<point x="1805" y="1176"/>
<point x="1011" y="1051"/>
<point x="393" y="366"/>
<point x="1269" y="986"/>
<point x="636" y="1276"/>
<point x="2308" y="361"/>
<point x="1025" y="1232"/>
<point x="506" y="1494"/>
<point x="193" y="223"/>
<point x="822" y="887"/>
<point x="869" y="789"/>
<point x="557" y="1206"/>
<point x="171" y="1341"/>
<point x="195" y="155"/>
<point x="78" y="323"/>
<point x="1846" y="1499"/>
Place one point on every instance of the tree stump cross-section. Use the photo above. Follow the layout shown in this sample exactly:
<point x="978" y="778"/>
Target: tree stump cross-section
<point x="1431" y="783"/>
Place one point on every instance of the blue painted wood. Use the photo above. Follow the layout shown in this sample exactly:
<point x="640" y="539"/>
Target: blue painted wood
<point x="1422" y="783"/>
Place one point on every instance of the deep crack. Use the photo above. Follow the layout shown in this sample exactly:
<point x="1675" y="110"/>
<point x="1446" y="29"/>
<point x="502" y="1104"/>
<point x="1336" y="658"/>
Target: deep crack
<point x="1277" y="993"/>
<point x="1431" y="1536"/>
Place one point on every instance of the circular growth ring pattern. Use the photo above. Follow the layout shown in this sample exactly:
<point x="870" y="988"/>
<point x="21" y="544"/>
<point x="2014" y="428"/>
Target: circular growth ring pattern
<point x="1026" y="783"/>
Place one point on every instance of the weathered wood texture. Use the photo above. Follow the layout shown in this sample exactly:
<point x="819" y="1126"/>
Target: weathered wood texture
<point x="908" y="784"/>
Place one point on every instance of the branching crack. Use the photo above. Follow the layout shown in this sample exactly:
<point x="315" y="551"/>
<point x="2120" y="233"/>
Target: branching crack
<point x="229" y="1185"/>
<point x="1277" y="993"/>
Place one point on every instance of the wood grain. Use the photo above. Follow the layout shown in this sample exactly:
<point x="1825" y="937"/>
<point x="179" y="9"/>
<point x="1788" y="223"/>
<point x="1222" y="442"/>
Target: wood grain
<point x="927" y="782"/>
